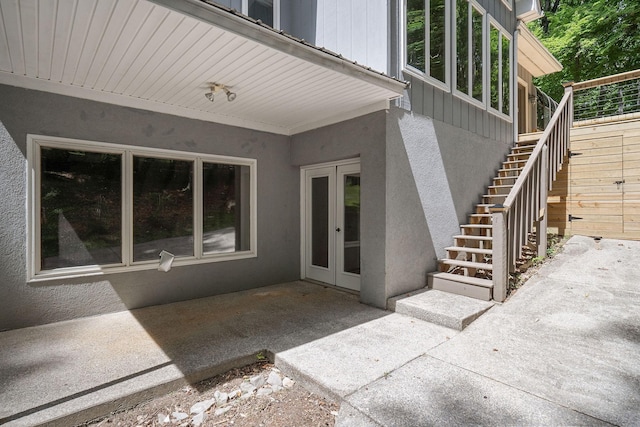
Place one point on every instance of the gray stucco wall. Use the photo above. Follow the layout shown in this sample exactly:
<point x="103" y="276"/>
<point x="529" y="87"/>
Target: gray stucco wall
<point x="436" y="173"/>
<point x="24" y="111"/>
<point x="363" y="137"/>
<point x="420" y="180"/>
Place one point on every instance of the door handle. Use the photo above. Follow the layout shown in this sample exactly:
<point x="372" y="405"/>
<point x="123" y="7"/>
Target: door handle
<point x="338" y="229"/>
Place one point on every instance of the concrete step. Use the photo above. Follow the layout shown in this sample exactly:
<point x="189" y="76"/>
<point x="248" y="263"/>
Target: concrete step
<point x="442" y="308"/>
<point x="473" y="287"/>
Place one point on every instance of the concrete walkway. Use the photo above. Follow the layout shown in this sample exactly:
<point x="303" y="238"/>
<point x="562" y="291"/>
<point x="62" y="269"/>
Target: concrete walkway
<point x="565" y="349"/>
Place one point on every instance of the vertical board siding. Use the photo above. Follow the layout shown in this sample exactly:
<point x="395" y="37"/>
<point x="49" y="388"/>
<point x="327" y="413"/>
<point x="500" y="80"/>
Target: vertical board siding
<point x="356" y="29"/>
<point x="444" y="106"/>
<point x="359" y="30"/>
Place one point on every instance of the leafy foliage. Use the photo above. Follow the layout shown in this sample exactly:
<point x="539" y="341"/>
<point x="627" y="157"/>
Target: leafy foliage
<point x="591" y="38"/>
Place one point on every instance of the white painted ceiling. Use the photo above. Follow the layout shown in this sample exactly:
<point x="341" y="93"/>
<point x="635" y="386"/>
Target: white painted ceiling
<point x="141" y="54"/>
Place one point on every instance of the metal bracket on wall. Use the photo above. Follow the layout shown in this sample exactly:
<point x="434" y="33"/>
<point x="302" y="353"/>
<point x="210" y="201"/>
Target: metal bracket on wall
<point x="573" y="218"/>
<point x="571" y="154"/>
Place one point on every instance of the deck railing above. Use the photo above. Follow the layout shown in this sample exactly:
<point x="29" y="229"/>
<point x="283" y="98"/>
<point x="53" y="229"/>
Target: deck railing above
<point x="613" y="96"/>
<point x="525" y="208"/>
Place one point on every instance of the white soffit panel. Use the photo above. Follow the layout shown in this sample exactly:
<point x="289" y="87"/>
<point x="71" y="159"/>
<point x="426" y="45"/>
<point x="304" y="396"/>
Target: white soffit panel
<point x="141" y="54"/>
<point x="533" y="56"/>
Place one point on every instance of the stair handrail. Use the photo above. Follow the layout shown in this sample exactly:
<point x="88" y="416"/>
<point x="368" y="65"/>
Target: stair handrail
<point x="525" y="207"/>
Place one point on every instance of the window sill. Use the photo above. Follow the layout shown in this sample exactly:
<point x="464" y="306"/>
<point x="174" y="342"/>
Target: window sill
<point x="96" y="270"/>
<point x="469" y="100"/>
<point x="500" y="115"/>
<point x="427" y="79"/>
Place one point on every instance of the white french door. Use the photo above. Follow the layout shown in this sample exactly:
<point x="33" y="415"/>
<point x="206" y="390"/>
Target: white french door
<point x="332" y="225"/>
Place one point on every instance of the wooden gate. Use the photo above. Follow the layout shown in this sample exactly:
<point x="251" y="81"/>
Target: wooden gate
<point x="598" y="194"/>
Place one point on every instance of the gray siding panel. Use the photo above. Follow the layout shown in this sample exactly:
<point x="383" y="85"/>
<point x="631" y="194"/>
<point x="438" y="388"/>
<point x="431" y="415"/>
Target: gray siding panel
<point x="438" y="104"/>
<point x="356" y="29"/>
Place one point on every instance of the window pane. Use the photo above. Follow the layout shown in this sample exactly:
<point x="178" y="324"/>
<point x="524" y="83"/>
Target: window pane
<point x="462" y="45"/>
<point x="437" y="33"/>
<point x="320" y="221"/>
<point x="477" y="52"/>
<point x="415" y="34"/>
<point x="351" y="259"/>
<point x="80" y="208"/>
<point x="262" y="10"/>
<point x="495" y="65"/>
<point x="162" y="207"/>
<point x="225" y="208"/>
<point x="505" y="76"/>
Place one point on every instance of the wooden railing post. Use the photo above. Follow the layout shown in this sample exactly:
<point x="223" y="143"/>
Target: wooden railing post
<point x="541" y="216"/>
<point x="500" y="252"/>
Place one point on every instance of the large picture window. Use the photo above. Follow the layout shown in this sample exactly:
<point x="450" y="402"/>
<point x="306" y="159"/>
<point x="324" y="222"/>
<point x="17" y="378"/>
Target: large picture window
<point x="427" y="41"/>
<point x="99" y="207"/>
<point x="470" y="49"/>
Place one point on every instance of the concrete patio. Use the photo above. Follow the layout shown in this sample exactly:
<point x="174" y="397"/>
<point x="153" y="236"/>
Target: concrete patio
<point x="563" y="350"/>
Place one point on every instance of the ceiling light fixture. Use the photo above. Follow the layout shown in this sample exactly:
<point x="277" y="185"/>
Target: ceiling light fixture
<point x="217" y="87"/>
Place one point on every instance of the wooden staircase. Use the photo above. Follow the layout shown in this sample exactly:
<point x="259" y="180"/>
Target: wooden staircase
<point x="468" y="269"/>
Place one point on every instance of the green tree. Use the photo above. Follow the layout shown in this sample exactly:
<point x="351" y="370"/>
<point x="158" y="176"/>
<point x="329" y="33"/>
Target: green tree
<point x="590" y="38"/>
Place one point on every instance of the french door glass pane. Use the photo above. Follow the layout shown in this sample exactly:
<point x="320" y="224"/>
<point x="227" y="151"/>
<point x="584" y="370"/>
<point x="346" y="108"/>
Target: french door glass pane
<point x="352" y="223"/>
<point x="320" y="221"/>
<point x="162" y="207"/>
<point x="225" y="208"/>
<point x="80" y="208"/>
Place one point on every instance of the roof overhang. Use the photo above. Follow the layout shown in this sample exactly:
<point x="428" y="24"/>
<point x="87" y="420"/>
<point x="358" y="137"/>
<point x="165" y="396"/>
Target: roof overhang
<point x="528" y="10"/>
<point x="159" y="55"/>
<point x="533" y="56"/>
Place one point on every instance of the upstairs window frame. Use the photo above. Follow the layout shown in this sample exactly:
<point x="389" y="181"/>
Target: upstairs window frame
<point x="35" y="266"/>
<point x="426" y="73"/>
<point x="503" y="34"/>
<point x="469" y="96"/>
<point x="276" y="13"/>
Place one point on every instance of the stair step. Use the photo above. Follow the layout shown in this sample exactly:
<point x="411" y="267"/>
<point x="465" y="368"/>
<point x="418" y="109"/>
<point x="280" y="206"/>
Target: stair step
<point x="466" y="264"/>
<point x="473" y="237"/>
<point x="473" y="287"/>
<point x="485" y="207"/>
<point x="513" y="162"/>
<point x="469" y="250"/>
<point x="510" y="171"/>
<point x="524" y="155"/>
<point x="505" y="178"/>
<point x="523" y="148"/>
<point x="477" y="226"/>
<point x="479" y="217"/>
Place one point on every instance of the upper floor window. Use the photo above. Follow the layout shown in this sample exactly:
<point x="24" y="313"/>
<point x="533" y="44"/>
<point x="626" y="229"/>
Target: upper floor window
<point x="469" y="47"/>
<point x="268" y="11"/>
<point x="500" y="69"/>
<point x="427" y="37"/>
<point x="104" y="207"/>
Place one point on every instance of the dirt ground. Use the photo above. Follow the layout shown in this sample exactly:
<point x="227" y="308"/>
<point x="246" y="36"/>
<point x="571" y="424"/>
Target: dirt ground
<point x="291" y="405"/>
